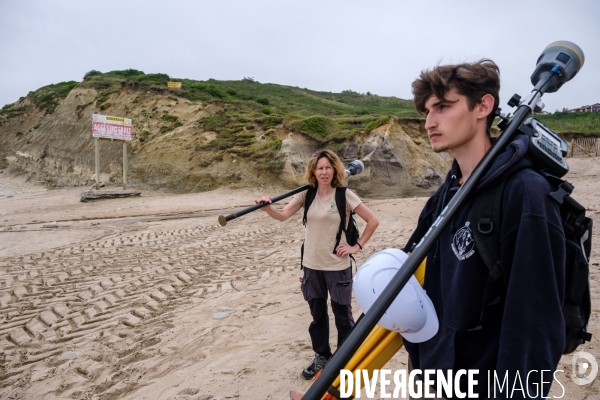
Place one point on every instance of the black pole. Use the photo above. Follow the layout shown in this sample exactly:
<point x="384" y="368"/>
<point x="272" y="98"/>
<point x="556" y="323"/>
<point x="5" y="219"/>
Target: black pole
<point x="223" y="219"/>
<point x="354" y="168"/>
<point x="360" y="332"/>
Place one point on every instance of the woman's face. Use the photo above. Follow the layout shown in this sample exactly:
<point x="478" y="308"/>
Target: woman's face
<point x="324" y="172"/>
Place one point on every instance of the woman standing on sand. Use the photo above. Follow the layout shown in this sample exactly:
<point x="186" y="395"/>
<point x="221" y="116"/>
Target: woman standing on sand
<point x="326" y="271"/>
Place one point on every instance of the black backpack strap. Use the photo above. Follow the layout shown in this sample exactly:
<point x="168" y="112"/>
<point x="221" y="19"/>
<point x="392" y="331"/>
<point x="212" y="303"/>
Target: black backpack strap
<point x="572" y="213"/>
<point x="340" y="203"/>
<point x="345" y="226"/>
<point x="486" y="218"/>
<point x="578" y="233"/>
<point x="311" y="192"/>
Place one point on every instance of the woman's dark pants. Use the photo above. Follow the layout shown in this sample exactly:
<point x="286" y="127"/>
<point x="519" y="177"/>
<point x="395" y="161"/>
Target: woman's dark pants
<point x="315" y="287"/>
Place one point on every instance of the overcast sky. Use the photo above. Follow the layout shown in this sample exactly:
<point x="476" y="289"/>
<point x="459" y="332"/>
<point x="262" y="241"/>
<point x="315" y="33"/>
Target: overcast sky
<point x="378" y="46"/>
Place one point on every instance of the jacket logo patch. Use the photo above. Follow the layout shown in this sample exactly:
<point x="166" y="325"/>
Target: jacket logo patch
<point x="463" y="244"/>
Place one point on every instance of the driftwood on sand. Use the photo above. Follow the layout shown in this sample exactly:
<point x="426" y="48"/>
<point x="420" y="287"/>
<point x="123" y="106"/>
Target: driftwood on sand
<point x="94" y="195"/>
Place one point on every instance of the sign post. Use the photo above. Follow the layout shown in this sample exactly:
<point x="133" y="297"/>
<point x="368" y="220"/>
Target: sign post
<point x="97" y="142"/>
<point x="113" y="128"/>
<point x="124" y="165"/>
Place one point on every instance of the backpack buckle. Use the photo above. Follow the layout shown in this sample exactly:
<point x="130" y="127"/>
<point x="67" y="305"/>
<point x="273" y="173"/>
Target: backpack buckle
<point x="485" y="225"/>
<point x="564" y="189"/>
<point x="570" y="223"/>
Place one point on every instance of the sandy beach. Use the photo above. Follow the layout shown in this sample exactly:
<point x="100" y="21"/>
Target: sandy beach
<point x="150" y="298"/>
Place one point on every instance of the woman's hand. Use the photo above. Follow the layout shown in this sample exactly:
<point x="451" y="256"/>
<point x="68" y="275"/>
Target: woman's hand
<point x="344" y="249"/>
<point x="280" y="214"/>
<point x="264" y="199"/>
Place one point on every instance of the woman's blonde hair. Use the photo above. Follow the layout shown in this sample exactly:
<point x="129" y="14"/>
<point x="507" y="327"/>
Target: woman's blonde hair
<point x="339" y="172"/>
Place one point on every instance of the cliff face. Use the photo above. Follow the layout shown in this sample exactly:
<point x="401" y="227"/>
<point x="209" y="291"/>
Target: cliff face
<point x="58" y="149"/>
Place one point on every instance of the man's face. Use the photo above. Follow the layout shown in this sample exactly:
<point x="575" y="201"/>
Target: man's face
<point x="449" y="123"/>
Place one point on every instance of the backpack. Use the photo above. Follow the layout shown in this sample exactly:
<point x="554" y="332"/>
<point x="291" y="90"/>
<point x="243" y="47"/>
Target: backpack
<point x="486" y="214"/>
<point x="578" y="234"/>
<point x="351" y="231"/>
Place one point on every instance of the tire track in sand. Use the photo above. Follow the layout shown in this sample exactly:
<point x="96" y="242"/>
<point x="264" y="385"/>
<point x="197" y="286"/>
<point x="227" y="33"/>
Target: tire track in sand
<point x="95" y="294"/>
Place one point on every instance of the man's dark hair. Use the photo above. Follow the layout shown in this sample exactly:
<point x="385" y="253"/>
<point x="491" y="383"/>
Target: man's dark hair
<point x="473" y="80"/>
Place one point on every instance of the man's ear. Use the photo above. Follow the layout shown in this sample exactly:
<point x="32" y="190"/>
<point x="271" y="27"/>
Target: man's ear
<point x="485" y="106"/>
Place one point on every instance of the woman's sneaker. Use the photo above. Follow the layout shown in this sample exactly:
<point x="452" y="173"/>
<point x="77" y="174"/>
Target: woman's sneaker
<point x="315" y="366"/>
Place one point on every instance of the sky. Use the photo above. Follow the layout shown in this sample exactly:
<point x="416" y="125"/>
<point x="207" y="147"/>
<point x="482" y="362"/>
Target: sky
<point x="377" y="46"/>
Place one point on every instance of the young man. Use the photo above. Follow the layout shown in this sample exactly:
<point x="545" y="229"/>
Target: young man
<point x="525" y="334"/>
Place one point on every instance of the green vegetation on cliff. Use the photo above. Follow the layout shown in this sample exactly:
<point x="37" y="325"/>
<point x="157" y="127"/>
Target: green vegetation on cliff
<point x="247" y="106"/>
<point x="578" y="123"/>
<point x="324" y="116"/>
<point x="329" y="118"/>
<point x="47" y="98"/>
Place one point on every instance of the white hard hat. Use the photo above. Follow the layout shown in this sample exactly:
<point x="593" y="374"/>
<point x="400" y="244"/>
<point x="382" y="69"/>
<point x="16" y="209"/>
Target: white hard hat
<point x="412" y="313"/>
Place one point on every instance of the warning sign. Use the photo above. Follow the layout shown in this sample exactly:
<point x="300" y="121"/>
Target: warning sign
<point x="111" y="127"/>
